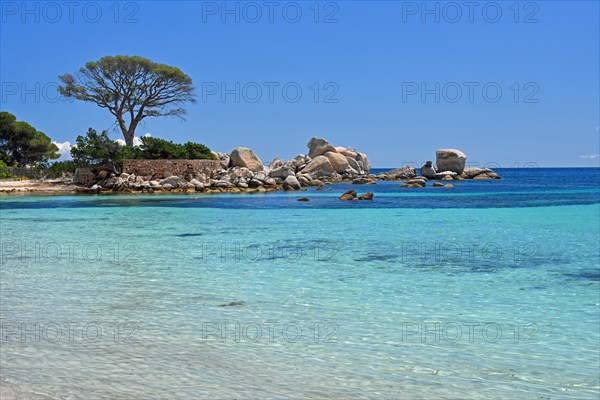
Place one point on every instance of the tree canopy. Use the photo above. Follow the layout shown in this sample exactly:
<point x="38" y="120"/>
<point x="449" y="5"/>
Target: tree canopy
<point x="131" y="88"/>
<point x="156" y="149"/>
<point x="21" y="144"/>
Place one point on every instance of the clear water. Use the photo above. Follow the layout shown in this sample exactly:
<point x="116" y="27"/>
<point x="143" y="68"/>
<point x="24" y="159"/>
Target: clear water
<point x="487" y="290"/>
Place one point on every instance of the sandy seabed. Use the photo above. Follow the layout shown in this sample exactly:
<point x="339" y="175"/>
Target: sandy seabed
<point x="8" y="391"/>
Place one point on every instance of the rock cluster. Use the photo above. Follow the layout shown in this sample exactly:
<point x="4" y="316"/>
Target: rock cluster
<point x="451" y="166"/>
<point x="402" y="173"/>
<point x="243" y="170"/>
<point x="351" y="195"/>
<point x="420" y="182"/>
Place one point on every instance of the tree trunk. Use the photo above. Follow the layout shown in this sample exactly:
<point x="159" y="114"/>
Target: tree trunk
<point x="130" y="133"/>
<point x="127" y="133"/>
<point x="129" y="138"/>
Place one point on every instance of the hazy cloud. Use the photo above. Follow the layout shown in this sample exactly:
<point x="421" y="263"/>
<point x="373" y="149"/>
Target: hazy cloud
<point x="136" y="140"/>
<point x="592" y="156"/>
<point x="64" y="149"/>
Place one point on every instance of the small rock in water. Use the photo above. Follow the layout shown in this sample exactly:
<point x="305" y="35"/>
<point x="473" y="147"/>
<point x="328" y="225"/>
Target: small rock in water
<point x="349" y="195"/>
<point x="448" y="185"/>
<point x="232" y="304"/>
<point x="303" y="199"/>
<point x="417" y="181"/>
<point x="437" y="184"/>
<point x="366" y="196"/>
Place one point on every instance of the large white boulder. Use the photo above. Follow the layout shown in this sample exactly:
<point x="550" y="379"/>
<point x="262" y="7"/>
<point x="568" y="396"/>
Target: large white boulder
<point x="291" y="183"/>
<point x="244" y="157"/>
<point x="318" y="147"/>
<point x="338" y="161"/>
<point x="318" y="167"/>
<point x="450" y="160"/>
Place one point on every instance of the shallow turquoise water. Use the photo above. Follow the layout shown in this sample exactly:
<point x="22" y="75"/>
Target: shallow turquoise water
<point x="197" y="300"/>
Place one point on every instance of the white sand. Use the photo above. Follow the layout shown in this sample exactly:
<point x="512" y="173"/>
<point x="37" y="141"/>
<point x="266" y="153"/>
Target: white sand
<point x="41" y="186"/>
<point x="9" y="391"/>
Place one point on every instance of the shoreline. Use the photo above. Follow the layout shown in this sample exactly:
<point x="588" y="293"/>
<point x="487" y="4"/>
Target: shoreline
<point x="242" y="171"/>
<point x="36" y="187"/>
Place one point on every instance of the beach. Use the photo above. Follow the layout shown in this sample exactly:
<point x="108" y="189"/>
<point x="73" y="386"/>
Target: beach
<point x="33" y="187"/>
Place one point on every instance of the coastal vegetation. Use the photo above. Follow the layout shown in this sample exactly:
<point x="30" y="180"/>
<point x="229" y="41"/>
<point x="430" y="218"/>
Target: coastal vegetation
<point x="99" y="149"/>
<point x="242" y="171"/>
<point x="131" y="88"/>
<point x="28" y="153"/>
<point x="23" y="145"/>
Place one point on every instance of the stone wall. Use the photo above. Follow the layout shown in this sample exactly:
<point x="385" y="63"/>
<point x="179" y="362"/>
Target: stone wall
<point x="166" y="168"/>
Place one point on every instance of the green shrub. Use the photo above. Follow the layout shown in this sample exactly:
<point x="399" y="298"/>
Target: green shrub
<point x="4" y="173"/>
<point x="59" y="168"/>
<point x="95" y="148"/>
<point x="159" y="149"/>
<point x="197" y="151"/>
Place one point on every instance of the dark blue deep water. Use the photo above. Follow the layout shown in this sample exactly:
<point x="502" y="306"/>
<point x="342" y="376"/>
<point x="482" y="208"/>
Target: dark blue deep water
<point x="520" y="187"/>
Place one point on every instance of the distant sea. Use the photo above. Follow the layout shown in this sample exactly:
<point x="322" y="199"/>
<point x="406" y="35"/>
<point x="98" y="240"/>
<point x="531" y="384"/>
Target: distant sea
<point x="487" y="290"/>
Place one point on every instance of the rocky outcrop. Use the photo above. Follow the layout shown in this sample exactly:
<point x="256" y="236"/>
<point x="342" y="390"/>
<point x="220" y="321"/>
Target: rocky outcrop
<point x="428" y="171"/>
<point x="281" y="172"/>
<point x="480" y="173"/>
<point x="450" y="160"/>
<point x="243" y="171"/>
<point x="420" y="181"/>
<point x="319" y="167"/>
<point x="338" y="161"/>
<point x="347" y="163"/>
<point x="291" y="183"/>
<point x="472" y="172"/>
<point x="318" y="147"/>
<point x="364" y="181"/>
<point x="445" y="175"/>
<point x="244" y="157"/>
<point x="398" y="174"/>
<point x="450" y="166"/>
<point x="349" y="195"/>
<point x="223" y="159"/>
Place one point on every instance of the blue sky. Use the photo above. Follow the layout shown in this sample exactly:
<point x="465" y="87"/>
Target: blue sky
<point x="507" y="84"/>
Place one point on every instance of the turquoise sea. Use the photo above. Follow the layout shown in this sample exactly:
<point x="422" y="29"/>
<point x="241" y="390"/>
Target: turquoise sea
<point x="490" y="290"/>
